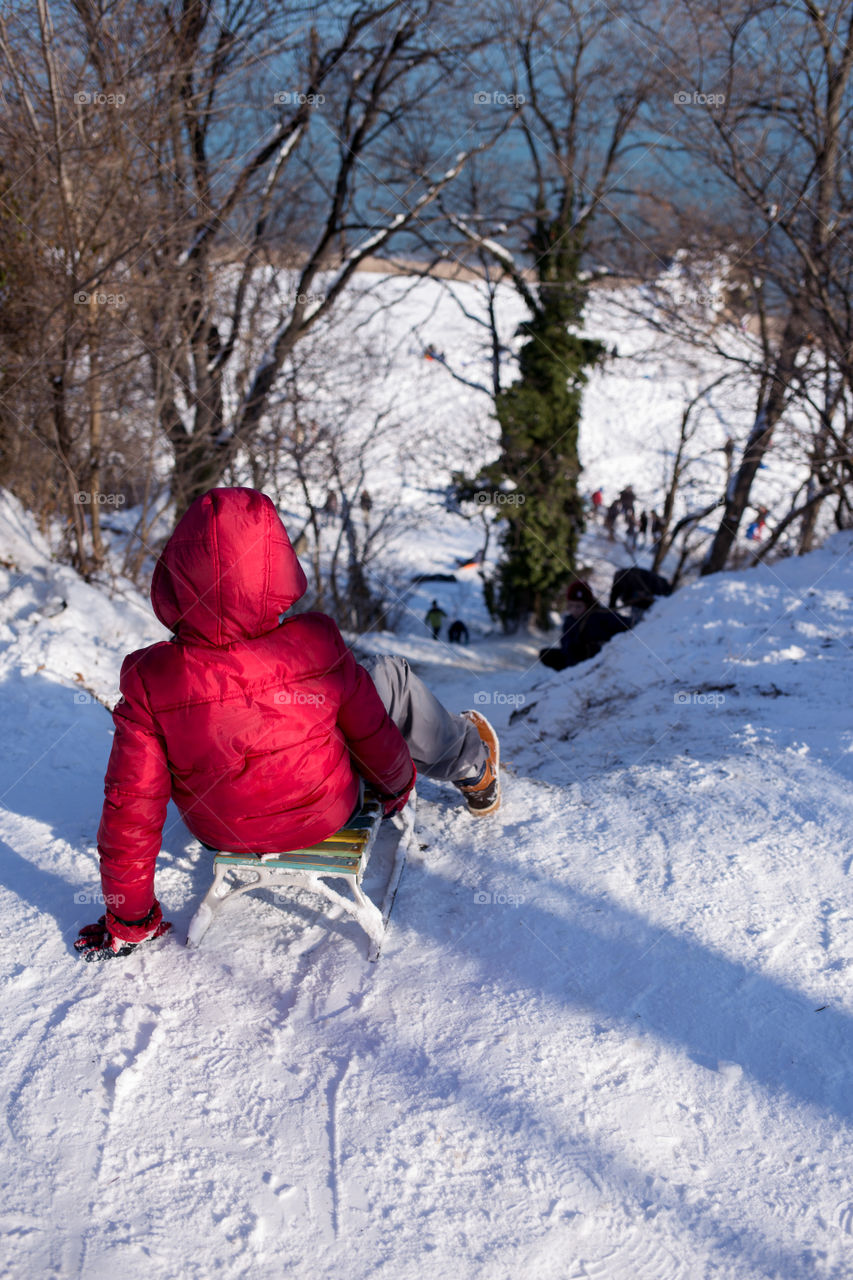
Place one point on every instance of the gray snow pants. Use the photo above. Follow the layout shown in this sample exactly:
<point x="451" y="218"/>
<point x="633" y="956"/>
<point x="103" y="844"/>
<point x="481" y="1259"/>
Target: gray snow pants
<point x="443" y="746"/>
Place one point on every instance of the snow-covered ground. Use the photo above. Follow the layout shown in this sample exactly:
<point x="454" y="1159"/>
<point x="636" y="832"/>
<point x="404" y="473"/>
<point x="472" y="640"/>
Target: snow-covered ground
<point x="611" y="1031"/>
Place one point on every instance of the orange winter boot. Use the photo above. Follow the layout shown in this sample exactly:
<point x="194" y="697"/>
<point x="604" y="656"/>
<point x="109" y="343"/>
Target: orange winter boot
<point x="484" y="795"/>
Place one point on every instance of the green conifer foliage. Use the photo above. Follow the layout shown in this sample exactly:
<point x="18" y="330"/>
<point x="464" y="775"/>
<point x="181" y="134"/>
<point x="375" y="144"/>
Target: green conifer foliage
<point x="539" y="417"/>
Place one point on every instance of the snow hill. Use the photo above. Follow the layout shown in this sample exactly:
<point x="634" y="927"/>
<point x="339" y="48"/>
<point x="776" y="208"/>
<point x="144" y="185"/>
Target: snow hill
<point x="611" y="1031"/>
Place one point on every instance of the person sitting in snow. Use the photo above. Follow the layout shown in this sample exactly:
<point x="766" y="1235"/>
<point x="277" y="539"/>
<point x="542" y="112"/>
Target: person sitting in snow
<point x="637" y="588"/>
<point x="259" y="726"/>
<point x="587" y="626"/>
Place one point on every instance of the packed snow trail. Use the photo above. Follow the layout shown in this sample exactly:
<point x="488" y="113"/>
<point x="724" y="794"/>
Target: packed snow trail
<point x="611" y="1031"/>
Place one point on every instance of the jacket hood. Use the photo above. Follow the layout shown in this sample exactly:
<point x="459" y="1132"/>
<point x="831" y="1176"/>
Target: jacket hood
<point x="228" y="571"/>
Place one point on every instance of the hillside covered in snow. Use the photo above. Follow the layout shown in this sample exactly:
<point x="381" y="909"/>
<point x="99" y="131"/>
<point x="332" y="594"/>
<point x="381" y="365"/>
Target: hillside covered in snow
<point x="610" y="1031"/>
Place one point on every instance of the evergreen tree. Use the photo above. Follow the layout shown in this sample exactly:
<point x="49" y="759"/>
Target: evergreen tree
<point x="539" y="417"/>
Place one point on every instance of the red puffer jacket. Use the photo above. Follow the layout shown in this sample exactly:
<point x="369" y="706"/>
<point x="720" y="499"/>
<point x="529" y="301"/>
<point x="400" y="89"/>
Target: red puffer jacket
<point x="255" y="728"/>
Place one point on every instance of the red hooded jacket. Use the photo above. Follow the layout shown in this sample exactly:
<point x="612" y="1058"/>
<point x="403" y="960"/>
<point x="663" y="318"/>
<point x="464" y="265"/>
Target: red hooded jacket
<point x="256" y="729"/>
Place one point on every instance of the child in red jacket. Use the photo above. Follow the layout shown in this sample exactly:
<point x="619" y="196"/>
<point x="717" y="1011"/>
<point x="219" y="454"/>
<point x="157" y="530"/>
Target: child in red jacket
<point x="259" y="728"/>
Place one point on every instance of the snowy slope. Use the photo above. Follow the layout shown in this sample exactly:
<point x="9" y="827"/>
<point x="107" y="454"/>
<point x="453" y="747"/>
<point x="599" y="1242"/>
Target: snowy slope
<point x="610" y="1034"/>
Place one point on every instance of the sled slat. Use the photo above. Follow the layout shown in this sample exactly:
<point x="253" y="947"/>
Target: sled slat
<point x="344" y="855"/>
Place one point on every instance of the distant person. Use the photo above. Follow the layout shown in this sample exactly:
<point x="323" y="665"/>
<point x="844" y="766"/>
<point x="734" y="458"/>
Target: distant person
<point x="610" y="520"/>
<point x="457" y="632"/>
<point x="331" y="507"/>
<point x="627" y="500"/>
<point x="643" y="525"/>
<point x="597" y="502"/>
<point x="366" y="503"/>
<point x="631" y="531"/>
<point x="755" y="531"/>
<point x="434" y="618"/>
<point x="656" y="525"/>
<point x="636" y="588"/>
<point x="587" y="627"/>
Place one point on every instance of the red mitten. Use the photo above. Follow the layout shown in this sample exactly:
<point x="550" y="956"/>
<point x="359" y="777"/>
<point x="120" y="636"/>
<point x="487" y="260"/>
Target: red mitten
<point x="112" y="936"/>
<point x="393" y="804"/>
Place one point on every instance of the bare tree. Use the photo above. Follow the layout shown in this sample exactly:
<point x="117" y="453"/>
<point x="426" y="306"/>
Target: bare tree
<point x="175" y="156"/>
<point x="70" y="224"/>
<point x="761" y="97"/>
<point x="330" y="161"/>
<point x="329" y="451"/>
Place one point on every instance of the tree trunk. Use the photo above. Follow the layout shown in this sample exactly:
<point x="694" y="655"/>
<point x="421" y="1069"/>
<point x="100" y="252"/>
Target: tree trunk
<point x="770" y="411"/>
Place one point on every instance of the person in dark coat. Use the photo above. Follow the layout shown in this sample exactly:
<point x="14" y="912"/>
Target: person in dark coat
<point x="587" y="627"/>
<point x="457" y="632"/>
<point x="434" y="618"/>
<point x="637" y="588"/>
<point x="656" y="525"/>
<point x="610" y="519"/>
<point x="631" y="530"/>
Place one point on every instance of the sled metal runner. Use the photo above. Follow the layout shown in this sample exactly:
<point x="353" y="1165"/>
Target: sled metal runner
<point x="343" y="856"/>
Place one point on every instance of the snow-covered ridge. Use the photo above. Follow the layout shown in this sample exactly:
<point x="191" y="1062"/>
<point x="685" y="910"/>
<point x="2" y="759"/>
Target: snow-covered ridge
<point x="763" y="655"/>
<point x="54" y="623"/>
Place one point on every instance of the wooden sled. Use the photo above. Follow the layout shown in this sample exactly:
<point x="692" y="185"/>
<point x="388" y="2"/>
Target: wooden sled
<point x="344" y="856"/>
